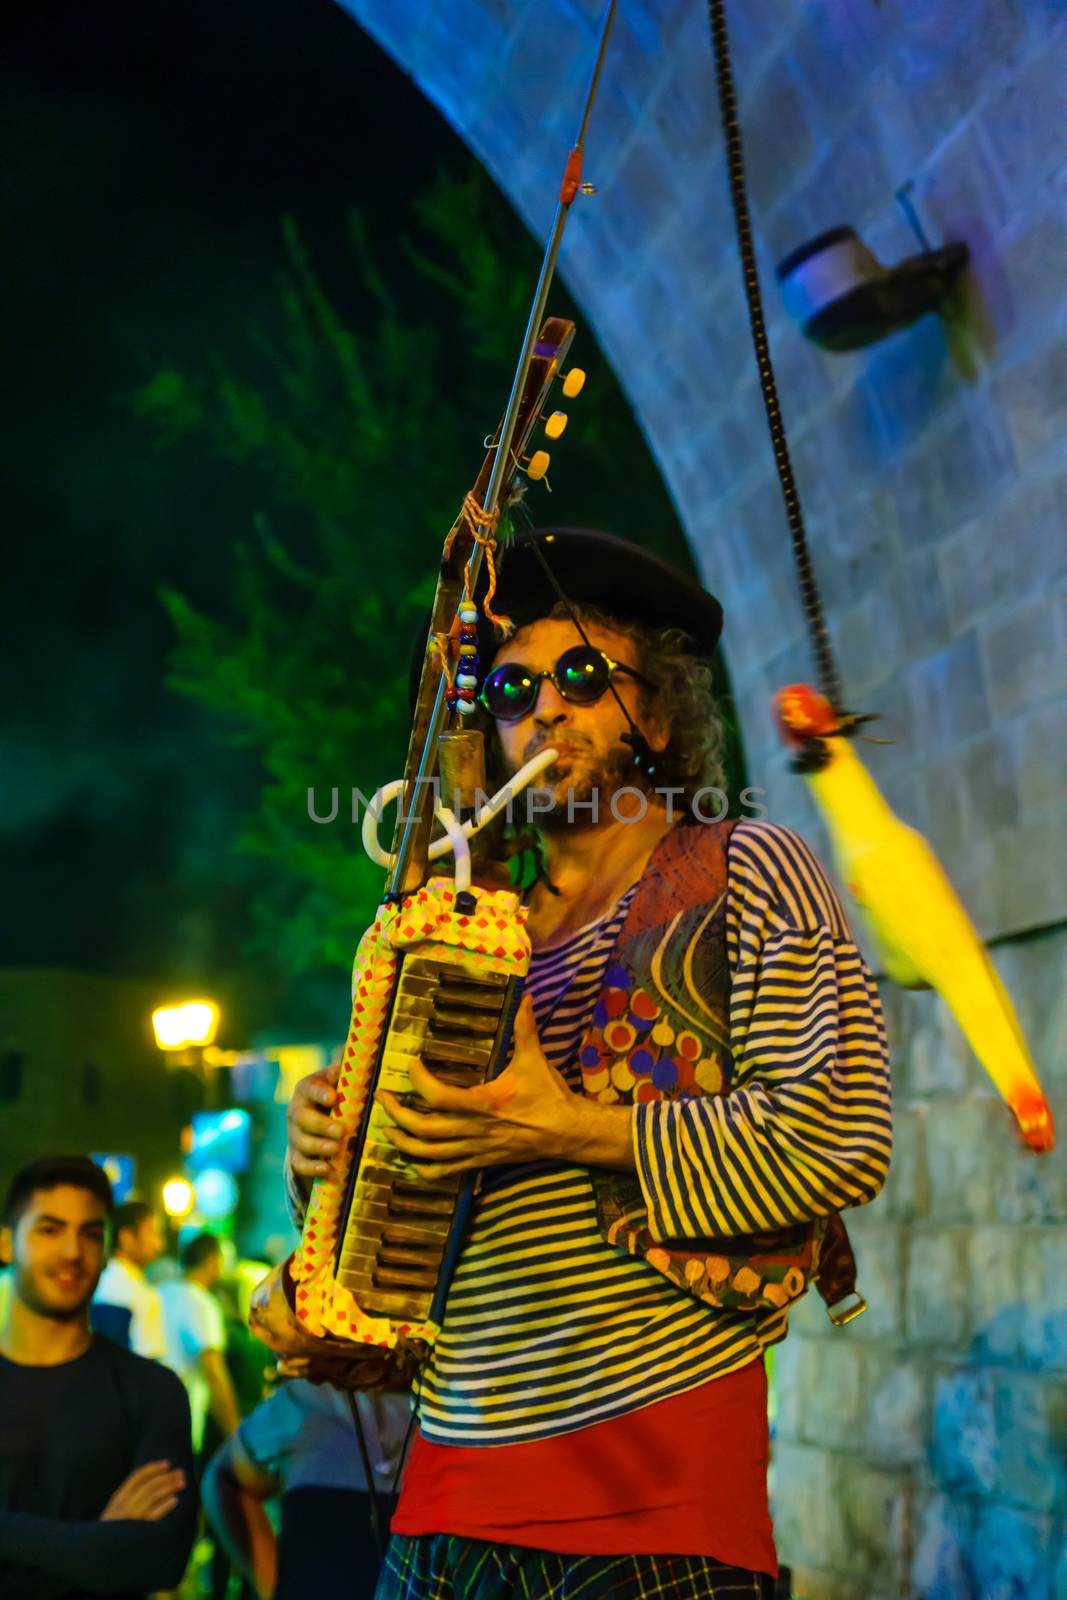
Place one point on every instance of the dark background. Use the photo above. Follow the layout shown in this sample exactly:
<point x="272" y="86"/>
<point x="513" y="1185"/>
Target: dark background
<point x="151" y="152"/>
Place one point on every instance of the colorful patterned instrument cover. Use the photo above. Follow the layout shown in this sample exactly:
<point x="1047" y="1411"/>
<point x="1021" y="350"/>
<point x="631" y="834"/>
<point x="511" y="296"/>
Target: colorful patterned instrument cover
<point x="373" y="1226"/>
<point x="491" y="943"/>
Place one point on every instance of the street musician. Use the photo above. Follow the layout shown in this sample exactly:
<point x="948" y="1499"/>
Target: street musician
<point x="698" y="1087"/>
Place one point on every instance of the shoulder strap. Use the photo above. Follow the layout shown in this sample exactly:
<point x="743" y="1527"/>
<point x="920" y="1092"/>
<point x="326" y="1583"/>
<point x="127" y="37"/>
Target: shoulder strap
<point x="686" y="869"/>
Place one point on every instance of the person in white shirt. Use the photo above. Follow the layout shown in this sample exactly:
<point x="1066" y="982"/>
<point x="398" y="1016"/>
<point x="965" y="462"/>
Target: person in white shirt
<point x="194" y="1333"/>
<point x="126" y="1308"/>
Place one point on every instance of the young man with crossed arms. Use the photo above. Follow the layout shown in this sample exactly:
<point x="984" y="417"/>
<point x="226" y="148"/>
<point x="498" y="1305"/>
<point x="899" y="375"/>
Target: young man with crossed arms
<point x="96" y="1479"/>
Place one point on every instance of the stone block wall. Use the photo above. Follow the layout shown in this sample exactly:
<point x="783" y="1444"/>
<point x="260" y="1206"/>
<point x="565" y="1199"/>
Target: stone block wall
<point x="920" y="1453"/>
<point x="933" y="1430"/>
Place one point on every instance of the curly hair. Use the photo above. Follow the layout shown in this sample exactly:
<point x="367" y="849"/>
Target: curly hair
<point x="681" y="698"/>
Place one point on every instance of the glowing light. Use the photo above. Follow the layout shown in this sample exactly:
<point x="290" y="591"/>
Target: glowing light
<point x="121" y="1171"/>
<point x="220" y="1139"/>
<point x="192" y="1023"/>
<point x="216" y="1193"/>
<point x="177" y="1197"/>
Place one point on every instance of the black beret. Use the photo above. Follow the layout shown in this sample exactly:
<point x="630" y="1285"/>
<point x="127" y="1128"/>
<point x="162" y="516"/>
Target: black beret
<point x="591" y="568"/>
<point x="598" y="569"/>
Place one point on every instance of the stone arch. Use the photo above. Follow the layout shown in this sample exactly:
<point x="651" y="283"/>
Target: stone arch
<point x="933" y="485"/>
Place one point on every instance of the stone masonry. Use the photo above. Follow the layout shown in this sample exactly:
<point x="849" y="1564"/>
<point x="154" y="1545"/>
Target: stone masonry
<point x="920" y="1453"/>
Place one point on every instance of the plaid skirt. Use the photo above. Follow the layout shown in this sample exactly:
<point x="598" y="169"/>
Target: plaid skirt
<point x="447" y="1566"/>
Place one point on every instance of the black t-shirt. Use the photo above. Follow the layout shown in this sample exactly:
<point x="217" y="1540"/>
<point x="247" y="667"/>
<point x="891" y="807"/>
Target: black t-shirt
<point x="69" y="1435"/>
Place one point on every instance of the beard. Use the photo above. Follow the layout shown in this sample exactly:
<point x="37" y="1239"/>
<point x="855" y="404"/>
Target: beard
<point x="579" y="778"/>
<point x="34" y="1295"/>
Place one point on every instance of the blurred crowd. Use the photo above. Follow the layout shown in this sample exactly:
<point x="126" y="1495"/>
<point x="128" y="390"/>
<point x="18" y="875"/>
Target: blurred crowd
<point x="146" y="1447"/>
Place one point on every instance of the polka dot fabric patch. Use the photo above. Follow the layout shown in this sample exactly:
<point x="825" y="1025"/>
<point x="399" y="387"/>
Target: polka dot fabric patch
<point x="636" y="1050"/>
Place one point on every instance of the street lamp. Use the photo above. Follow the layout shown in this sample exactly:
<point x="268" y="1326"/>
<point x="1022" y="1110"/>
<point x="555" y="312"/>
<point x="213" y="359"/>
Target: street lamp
<point x="184" y="1033"/>
<point x="178" y="1198"/>
<point x="189" y="1026"/>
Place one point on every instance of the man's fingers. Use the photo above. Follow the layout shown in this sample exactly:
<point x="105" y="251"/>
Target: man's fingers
<point x="321" y="1092"/>
<point x="433" y="1171"/>
<point x="145" y="1474"/>
<point x="307" y="1168"/>
<point x="430" y="1124"/>
<point x="146" y="1500"/>
<point x="443" y="1096"/>
<point x="313" y="1144"/>
<point x="310" y="1155"/>
<point x="527" y="1039"/>
<point x="315" y="1137"/>
<point x="174" y="1480"/>
<point x="435" y="1150"/>
<point x="147" y="1494"/>
<point x="158" y="1477"/>
<point x="525" y="1029"/>
<point x="306" y="1118"/>
<point x="159" y="1509"/>
<point x="319" y="1089"/>
<point x="525" y="1020"/>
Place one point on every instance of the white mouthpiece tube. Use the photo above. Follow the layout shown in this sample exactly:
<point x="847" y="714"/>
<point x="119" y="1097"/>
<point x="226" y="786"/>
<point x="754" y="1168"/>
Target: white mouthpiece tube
<point x="456" y="833"/>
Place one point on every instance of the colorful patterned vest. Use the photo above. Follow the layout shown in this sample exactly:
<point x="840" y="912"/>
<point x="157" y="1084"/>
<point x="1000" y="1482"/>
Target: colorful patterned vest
<point x="661" y="1030"/>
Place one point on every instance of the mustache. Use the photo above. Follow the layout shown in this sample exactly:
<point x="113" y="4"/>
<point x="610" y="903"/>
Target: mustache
<point x="542" y="741"/>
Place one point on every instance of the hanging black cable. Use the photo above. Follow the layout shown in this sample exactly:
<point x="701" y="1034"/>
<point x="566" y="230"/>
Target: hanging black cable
<point x="645" y="759"/>
<point x="825" y="665"/>
<point x="374" y="1514"/>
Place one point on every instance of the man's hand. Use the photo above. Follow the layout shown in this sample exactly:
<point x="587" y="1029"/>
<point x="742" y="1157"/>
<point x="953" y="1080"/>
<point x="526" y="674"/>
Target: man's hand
<point x="147" y="1495"/>
<point x="525" y="1114"/>
<point x="313" y="1135"/>
<point x="340" y="1362"/>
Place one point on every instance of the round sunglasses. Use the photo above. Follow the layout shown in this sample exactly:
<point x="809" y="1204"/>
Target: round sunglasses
<point x="581" y="675"/>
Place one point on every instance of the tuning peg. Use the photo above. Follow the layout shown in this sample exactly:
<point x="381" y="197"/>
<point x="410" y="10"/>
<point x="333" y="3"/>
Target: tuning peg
<point x="555" y="424"/>
<point x="574" y="382"/>
<point x="537" y="465"/>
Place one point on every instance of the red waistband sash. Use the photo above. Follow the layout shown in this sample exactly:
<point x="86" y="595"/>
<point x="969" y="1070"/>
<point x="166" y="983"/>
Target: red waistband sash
<point x="686" y="1476"/>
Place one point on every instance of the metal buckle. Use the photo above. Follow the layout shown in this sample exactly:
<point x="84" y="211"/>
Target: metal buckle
<point x="847" y="1310"/>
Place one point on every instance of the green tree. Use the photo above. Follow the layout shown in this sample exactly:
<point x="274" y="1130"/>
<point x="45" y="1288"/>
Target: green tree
<point x="360" y="432"/>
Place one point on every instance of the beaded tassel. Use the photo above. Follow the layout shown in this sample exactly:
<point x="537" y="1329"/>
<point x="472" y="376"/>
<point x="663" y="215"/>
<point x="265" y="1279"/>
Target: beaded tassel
<point x="463" y="689"/>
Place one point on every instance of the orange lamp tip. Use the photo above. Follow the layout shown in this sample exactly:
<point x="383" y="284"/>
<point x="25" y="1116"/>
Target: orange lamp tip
<point x="803" y="714"/>
<point x="1036" y="1124"/>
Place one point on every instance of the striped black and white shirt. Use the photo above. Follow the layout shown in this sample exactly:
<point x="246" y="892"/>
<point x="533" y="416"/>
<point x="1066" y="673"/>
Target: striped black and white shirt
<point x="547" y="1327"/>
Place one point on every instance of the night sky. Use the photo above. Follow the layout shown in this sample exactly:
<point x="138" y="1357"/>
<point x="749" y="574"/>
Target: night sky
<point x="152" y="152"/>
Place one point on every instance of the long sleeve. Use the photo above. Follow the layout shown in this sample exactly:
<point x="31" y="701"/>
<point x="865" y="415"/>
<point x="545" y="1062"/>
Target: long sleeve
<point x="125" y="1556"/>
<point x="806" y="1128"/>
<point x="296" y="1195"/>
